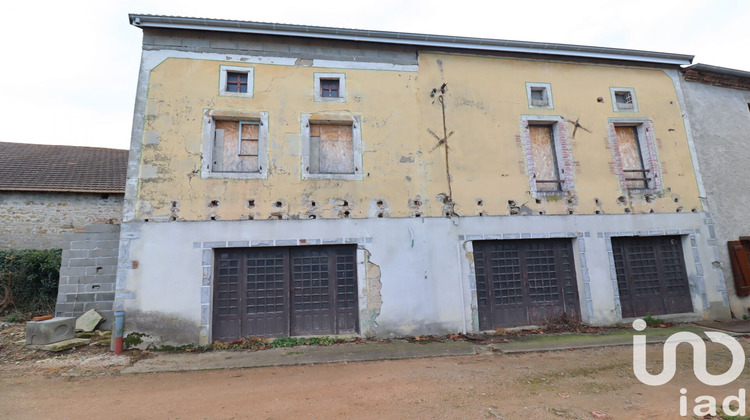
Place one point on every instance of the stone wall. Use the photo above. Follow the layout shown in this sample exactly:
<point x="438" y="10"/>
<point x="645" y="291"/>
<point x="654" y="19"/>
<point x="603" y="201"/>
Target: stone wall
<point x="38" y="220"/>
<point x="88" y="270"/>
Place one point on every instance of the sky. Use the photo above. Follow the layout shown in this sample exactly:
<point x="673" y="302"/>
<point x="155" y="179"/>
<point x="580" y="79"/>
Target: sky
<point x="70" y="67"/>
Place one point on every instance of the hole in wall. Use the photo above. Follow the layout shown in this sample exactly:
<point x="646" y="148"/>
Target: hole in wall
<point x="480" y="202"/>
<point x="597" y="202"/>
<point x="213" y="217"/>
<point x="627" y="210"/>
<point x="312" y="204"/>
<point x="511" y="203"/>
<point x="279" y="216"/>
<point x="251" y="203"/>
<point x="145" y="220"/>
<point x="541" y="213"/>
<point x="482" y="214"/>
<point x="105" y="196"/>
<point x="213" y="203"/>
<point x="99" y="270"/>
<point x="679" y="209"/>
<point x="278" y="204"/>
<point x="694" y="210"/>
<point x="173" y="218"/>
<point x="538" y="201"/>
<point x="379" y="203"/>
<point x="95" y="286"/>
<point x="651" y="211"/>
<point x="600" y="100"/>
<point x="250" y="217"/>
<point x="417" y="214"/>
<point x="621" y="199"/>
<point x="174" y="204"/>
<point x="346" y="203"/>
<point x="312" y="216"/>
<point x="570" y="211"/>
<point x="380" y="215"/>
<point x="597" y="212"/>
<point x="447" y="214"/>
<point x="677" y="199"/>
<point x="346" y="213"/>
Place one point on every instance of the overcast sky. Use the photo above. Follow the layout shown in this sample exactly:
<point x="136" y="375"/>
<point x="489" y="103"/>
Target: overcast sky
<point x="70" y="68"/>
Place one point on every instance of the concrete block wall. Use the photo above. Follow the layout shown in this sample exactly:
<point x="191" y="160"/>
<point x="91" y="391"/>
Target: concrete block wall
<point x="39" y="220"/>
<point x="88" y="271"/>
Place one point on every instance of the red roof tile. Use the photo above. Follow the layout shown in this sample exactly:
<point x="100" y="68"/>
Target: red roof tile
<point x="37" y="167"/>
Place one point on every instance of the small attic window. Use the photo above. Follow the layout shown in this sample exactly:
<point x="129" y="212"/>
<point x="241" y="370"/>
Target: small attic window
<point x="623" y="99"/>
<point x="236" y="81"/>
<point x="539" y="95"/>
<point x="330" y="87"/>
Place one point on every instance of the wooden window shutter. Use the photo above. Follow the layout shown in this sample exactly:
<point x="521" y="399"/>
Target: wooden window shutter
<point x="739" y="255"/>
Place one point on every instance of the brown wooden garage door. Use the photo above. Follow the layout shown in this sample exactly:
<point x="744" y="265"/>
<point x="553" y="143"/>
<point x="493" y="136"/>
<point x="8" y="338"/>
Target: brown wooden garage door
<point x="285" y="291"/>
<point x="524" y="282"/>
<point x="651" y="275"/>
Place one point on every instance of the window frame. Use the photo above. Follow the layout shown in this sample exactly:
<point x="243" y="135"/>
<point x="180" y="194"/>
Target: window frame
<point x="562" y="153"/>
<point x="209" y="136"/>
<point x="317" y="87"/>
<point x="223" y="77"/>
<point x="546" y="87"/>
<point x="614" y="91"/>
<point x="339" y="119"/>
<point x="647" y="148"/>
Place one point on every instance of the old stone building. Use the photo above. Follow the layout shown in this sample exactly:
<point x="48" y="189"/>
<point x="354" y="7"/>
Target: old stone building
<point x="47" y="191"/>
<point x="297" y="180"/>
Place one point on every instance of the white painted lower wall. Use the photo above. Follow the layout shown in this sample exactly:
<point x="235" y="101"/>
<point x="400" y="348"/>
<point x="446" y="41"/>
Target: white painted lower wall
<point x="427" y="282"/>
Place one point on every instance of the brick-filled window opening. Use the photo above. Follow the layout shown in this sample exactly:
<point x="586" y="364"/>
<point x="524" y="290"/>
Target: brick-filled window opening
<point x="236" y="82"/>
<point x="331" y="149"/>
<point x="637" y="175"/>
<point x="329" y="88"/>
<point x="236" y="146"/>
<point x="546" y="169"/>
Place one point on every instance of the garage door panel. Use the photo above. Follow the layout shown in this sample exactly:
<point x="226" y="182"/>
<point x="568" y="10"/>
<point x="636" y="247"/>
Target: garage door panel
<point x="651" y="276"/>
<point x="524" y="282"/>
<point x="285" y="291"/>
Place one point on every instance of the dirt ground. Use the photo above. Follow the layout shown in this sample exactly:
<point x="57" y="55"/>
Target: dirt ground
<point x="578" y="384"/>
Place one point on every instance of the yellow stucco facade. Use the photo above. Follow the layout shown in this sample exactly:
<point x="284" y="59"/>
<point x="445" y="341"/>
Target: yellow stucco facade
<point x="403" y="172"/>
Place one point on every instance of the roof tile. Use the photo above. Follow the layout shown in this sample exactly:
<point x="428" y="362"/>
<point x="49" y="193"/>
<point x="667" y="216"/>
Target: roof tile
<point x="37" y="167"/>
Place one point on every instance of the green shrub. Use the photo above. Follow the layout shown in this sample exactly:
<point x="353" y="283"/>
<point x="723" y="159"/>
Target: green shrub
<point x="28" y="281"/>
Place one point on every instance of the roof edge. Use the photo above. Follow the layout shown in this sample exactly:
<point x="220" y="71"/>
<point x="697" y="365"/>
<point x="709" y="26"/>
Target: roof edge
<point x="404" y="38"/>
<point x="719" y="70"/>
<point x="64" y="190"/>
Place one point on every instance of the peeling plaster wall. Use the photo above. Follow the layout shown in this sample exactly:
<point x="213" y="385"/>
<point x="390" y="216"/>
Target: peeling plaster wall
<point x="164" y="280"/>
<point x="415" y="266"/>
<point x="485" y="101"/>
<point x="38" y="220"/>
<point x="720" y="121"/>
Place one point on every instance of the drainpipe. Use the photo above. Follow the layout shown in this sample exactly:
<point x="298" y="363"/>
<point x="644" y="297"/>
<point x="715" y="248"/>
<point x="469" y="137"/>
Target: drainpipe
<point x="119" y="330"/>
<point x="461" y="290"/>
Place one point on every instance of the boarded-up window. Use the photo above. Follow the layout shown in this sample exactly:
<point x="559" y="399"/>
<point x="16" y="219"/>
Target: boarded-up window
<point x="631" y="155"/>
<point x="236" y="146"/>
<point x="331" y="149"/>
<point x="739" y="255"/>
<point x="546" y="172"/>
